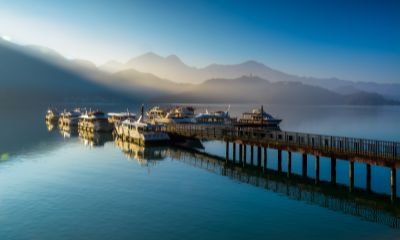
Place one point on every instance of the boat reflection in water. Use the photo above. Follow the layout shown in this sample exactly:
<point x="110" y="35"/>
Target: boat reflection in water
<point x="147" y="155"/>
<point x="50" y="125"/>
<point x="95" y="139"/>
<point x="68" y="131"/>
<point x="358" y="202"/>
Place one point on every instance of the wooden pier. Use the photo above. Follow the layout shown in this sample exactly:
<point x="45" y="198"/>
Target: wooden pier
<point x="377" y="152"/>
<point x="369" y="152"/>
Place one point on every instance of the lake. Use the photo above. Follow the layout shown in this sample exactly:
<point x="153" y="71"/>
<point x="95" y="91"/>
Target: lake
<point x="59" y="185"/>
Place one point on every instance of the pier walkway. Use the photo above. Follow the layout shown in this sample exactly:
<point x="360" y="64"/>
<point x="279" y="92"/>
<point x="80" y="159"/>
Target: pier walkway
<point x="366" y="151"/>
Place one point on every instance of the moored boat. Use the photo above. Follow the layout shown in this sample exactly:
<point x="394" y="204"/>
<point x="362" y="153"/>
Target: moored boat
<point x="176" y="114"/>
<point x="117" y="117"/>
<point x="259" y="118"/>
<point x="215" y="118"/>
<point x="95" y="121"/>
<point x="141" y="132"/>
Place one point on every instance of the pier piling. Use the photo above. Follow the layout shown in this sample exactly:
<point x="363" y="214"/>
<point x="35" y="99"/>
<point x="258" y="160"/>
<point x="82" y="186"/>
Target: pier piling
<point x="393" y="184"/>
<point x="368" y="177"/>
<point x="251" y="154"/>
<point x="351" y="176"/>
<point x="279" y="160"/>
<point x="289" y="166"/>
<point x="317" y="169"/>
<point x="304" y="165"/>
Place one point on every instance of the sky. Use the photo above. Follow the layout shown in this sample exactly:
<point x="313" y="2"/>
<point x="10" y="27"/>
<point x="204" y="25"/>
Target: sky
<point x="353" y="40"/>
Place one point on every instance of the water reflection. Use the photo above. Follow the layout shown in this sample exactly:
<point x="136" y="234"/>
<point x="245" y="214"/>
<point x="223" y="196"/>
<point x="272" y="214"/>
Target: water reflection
<point x="94" y="139"/>
<point x="359" y="202"/>
<point x="367" y="205"/>
<point x="144" y="155"/>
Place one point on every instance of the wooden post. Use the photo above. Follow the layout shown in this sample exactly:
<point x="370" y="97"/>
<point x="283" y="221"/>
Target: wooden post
<point x="240" y="153"/>
<point x="279" y="160"/>
<point x="234" y="152"/>
<point x="333" y="170"/>
<point x="227" y="151"/>
<point x="265" y="158"/>
<point x="304" y="165"/>
<point x="393" y="184"/>
<point x="289" y="166"/>
<point x="259" y="156"/>
<point x="245" y="155"/>
<point x="351" y="176"/>
<point x="368" y="177"/>
<point x="251" y="154"/>
<point x="317" y="169"/>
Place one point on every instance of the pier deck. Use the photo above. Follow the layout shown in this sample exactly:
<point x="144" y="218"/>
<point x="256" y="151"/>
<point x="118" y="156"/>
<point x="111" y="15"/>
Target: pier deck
<point x="376" y="152"/>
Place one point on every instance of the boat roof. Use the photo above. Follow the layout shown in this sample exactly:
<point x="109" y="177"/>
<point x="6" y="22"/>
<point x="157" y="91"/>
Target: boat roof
<point x="121" y="114"/>
<point x="94" y="115"/>
<point x="257" y="111"/>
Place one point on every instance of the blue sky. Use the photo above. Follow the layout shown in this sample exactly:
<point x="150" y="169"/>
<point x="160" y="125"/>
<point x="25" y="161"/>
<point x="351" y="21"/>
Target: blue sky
<point x="355" y="40"/>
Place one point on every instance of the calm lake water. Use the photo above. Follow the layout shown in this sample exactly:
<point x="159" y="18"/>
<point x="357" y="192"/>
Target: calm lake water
<point x="56" y="185"/>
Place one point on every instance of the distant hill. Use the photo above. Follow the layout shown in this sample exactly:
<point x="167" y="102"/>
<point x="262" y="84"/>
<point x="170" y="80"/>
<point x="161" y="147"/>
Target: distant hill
<point x="249" y="89"/>
<point x="33" y="74"/>
<point x="173" y="68"/>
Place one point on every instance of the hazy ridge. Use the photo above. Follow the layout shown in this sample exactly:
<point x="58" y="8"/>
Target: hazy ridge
<point x="36" y="74"/>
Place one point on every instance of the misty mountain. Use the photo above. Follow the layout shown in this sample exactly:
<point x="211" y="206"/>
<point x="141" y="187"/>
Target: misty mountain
<point x="173" y="68"/>
<point x="38" y="75"/>
<point x="34" y="74"/>
<point x="249" y="89"/>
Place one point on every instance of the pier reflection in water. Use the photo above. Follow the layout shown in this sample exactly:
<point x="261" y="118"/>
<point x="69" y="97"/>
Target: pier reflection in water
<point x="250" y="165"/>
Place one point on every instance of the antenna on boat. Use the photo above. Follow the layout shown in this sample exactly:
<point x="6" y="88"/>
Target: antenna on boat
<point x="262" y="115"/>
<point x="142" y="111"/>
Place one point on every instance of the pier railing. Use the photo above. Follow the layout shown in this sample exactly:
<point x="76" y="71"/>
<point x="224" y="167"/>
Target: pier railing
<point x="324" y="144"/>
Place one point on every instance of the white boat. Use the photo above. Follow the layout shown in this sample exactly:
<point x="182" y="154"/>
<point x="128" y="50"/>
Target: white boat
<point x="215" y="118"/>
<point x="95" y="122"/>
<point x="177" y="115"/>
<point x="116" y="117"/>
<point x="141" y="132"/>
<point x="259" y="118"/>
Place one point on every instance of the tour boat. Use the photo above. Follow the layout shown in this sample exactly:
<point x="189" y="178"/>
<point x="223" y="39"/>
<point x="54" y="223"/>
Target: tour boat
<point x="95" y="121"/>
<point x="121" y="116"/>
<point x="140" y="131"/>
<point x="258" y="118"/>
<point x="177" y="115"/>
<point x="215" y="118"/>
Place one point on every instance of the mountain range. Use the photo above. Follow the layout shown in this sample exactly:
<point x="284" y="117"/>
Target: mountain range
<point x="30" y="74"/>
<point x="171" y="67"/>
